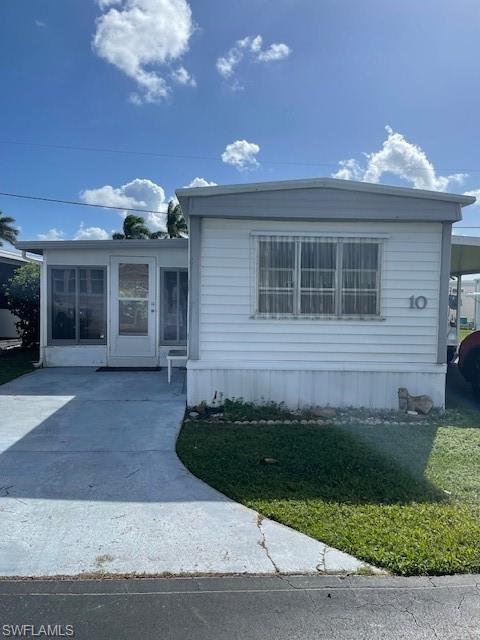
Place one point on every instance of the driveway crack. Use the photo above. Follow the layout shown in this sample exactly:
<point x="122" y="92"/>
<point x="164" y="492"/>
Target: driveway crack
<point x="263" y="542"/>
<point x="321" y="567"/>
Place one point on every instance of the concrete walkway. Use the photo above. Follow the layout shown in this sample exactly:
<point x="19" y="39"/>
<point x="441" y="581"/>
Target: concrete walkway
<point x="90" y="483"/>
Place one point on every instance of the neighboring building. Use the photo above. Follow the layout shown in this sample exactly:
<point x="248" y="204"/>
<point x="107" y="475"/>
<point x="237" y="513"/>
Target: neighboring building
<point x="298" y="292"/>
<point x="467" y="302"/>
<point x="9" y="263"/>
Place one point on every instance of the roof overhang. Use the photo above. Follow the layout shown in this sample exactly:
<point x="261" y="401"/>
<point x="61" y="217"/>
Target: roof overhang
<point x="39" y="246"/>
<point x="325" y="183"/>
<point x="248" y="200"/>
<point x="465" y="256"/>
<point x="8" y="257"/>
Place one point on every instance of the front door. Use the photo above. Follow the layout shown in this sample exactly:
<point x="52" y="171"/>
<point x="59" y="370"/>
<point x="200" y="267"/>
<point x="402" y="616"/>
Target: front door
<point x="133" y="312"/>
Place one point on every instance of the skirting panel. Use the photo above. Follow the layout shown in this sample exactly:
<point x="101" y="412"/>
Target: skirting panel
<point x="370" y="389"/>
<point x="76" y="356"/>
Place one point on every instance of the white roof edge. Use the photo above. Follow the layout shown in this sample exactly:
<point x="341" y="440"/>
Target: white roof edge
<point x="330" y="183"/>
<point x="10" y="255"/>
<point x="39" y="246"/>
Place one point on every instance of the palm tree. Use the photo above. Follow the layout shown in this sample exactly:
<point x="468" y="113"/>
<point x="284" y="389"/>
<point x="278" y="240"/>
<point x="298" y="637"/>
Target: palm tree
<point x="176" y="225"/>
<point x="7" y="232"/>
<point x="134" y="228"/>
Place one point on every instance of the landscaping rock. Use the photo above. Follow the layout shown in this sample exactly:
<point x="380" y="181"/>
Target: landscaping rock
<point x="269" y="461"/>
<point x="421" y="404"/>
<point x="193" y="414"/>
<point x="326" y="412"/>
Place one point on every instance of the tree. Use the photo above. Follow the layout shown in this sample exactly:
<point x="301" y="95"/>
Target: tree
<point x="23" y="299"/>
<point x="134" y="228"/>
<point x="176" y="224"/>
<point x="7" y="231"/>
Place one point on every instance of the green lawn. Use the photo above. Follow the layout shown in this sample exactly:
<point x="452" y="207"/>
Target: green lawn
<point x="16" y="362"/>
<point x="406" y="498"/>
<point x="464" y="333"/>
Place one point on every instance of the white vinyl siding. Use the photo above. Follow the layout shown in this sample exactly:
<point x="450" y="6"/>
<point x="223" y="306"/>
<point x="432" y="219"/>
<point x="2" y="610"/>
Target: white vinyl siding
<point x="410" y="265"/>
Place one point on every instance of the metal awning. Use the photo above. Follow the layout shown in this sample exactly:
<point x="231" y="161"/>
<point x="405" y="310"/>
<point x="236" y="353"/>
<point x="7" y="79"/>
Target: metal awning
<point x="465" y="256"/>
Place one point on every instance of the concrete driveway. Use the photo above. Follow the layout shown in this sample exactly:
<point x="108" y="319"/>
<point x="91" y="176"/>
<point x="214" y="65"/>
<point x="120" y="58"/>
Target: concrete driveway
<point x="90" y="483"/>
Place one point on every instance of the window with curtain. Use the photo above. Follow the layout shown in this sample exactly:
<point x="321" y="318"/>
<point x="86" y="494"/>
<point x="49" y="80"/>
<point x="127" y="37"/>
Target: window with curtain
<point x="316" y="276"/>
<point x="77" y="309"/>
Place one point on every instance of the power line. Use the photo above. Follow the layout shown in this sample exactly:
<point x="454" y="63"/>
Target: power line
<point x="155" y="154"/>
<point x="106" y="206"/>
<point x="74" y="202"/>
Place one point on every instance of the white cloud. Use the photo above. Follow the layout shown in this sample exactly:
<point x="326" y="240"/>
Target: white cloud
<point x="241" y="154"/>
<point x="137" y="194"/>
<point x="182" y="76"/>
<point x="51" y="234"/>
<point x="476" y="194"/>
<point x="274" y="52"/>
<point x="104" y="4"/>
<point x="91" y="233"/>
<point x="40" y="23"/>
<point x="139" y="36"/>
<point x="401" y="158"/>
<point x="251" y="46"/>
<point x="201" y="182"/>
<point x="349" y="170"/>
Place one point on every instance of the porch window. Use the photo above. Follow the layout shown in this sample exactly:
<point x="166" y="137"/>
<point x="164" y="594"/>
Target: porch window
<point x="174" y="297"/>
<point x="77" y="305"/>
<point x="317" y="277"/>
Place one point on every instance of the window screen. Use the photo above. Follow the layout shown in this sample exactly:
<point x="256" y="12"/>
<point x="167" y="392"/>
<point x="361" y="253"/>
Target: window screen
<point x="311" y="276"/>
<point x="77" y="304"/>
<point x="174" y="306"/>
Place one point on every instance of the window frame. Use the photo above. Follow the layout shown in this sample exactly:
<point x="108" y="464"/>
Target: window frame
<point x="178" y="343"/>
<point x="75" y="341"/>
<point x="339" y="241"/>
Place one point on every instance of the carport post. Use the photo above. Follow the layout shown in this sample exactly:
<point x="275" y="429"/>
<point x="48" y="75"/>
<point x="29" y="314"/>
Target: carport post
<point x="459" y="305"/>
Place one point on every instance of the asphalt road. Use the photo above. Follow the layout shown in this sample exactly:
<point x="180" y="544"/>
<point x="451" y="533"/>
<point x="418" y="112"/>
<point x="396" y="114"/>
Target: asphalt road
<point x="243" y="608"/>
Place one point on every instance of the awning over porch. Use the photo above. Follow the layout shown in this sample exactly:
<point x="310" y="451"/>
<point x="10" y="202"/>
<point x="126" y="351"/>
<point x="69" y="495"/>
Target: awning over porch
<point x="465" y="255"/>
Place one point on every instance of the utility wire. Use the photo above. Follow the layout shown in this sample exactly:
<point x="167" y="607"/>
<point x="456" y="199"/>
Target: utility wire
<point x="155" y="154"/>
<point x="106" y="206"/>
<point x="74" y="202"/>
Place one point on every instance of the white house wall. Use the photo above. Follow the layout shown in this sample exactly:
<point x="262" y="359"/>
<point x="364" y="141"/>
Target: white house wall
<point x="411" y="256"/>
<point x="384" y="347"/>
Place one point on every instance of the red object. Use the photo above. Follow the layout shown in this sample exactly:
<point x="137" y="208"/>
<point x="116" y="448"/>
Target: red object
<point x="468" y="345"/>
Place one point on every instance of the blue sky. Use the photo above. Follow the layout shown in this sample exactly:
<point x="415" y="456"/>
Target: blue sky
<point x="337" y="74"/>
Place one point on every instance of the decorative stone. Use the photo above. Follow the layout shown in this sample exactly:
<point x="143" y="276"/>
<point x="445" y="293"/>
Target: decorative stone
<point x="420" y="404"/>
<point x="193" y="414"/>
<point x="269" y="461"/>
<point x="324" y="412"/>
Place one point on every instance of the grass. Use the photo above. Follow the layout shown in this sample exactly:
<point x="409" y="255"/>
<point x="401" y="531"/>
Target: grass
<point x="16" y="362"/>
<point x="406" y="498"/>
<point x="464" y="333"/>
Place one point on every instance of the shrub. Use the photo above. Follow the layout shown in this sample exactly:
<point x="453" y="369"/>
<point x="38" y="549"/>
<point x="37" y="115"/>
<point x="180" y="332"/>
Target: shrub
<point x="23" y="299"/>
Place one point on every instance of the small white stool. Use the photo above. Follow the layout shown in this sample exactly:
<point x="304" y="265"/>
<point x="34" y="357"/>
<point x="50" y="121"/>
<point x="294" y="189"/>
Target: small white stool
<point x="175" y="355"/>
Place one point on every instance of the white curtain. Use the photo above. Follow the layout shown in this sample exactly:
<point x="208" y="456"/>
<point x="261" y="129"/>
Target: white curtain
<point x="316" y="276"/>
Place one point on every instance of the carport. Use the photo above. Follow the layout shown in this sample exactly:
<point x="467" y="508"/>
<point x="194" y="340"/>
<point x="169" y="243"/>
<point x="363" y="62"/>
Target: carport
<point x="465" y="260"/>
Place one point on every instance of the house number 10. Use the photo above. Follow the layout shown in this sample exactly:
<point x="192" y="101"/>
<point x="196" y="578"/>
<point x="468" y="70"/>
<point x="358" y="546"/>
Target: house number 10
<point x="418" y="302"/>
